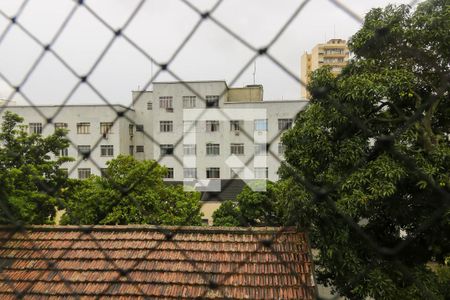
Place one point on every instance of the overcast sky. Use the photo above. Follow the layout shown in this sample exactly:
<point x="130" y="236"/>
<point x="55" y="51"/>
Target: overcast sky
<point x="159" y="27"/>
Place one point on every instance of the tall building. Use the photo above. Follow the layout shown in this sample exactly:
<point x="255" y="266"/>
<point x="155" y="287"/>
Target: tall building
<point x="334" y="53"/>
<point x="206" y="133"/>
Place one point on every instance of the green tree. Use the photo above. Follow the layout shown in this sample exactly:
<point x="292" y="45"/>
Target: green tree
<point x="253" y="207"/>
<point x="132" y="192"/>
<point x="30" y="179"/>
<point x="343" y="151"/>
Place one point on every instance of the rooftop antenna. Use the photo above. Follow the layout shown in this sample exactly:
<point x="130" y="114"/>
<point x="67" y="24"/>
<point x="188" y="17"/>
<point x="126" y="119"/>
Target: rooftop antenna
<point x="254" y="72"/>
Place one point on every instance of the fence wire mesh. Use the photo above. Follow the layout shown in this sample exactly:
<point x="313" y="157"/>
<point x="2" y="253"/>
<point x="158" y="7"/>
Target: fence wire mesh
<point x="47" y="49"/>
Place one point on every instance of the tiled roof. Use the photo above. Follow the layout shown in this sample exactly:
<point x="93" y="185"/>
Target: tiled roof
<point x="149" y="262"/>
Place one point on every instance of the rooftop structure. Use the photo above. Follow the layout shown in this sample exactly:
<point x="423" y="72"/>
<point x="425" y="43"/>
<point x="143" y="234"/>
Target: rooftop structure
<point x="148" y="262"/>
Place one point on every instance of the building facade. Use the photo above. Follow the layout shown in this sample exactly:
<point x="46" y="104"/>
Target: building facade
<point x="204" y="132"/>
<point x="334" y="53"/>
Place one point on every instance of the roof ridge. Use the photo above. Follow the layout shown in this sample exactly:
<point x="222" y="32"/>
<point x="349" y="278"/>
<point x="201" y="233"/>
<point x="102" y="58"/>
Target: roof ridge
<point x="155" y="228"/>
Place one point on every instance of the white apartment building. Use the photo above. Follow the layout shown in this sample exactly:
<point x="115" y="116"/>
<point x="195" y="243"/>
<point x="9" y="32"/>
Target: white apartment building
<point x="206" y="130"/>
<point x="202" y="131"/>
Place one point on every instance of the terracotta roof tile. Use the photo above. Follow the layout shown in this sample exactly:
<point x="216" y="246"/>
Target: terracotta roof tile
<point x="148" y="262"/>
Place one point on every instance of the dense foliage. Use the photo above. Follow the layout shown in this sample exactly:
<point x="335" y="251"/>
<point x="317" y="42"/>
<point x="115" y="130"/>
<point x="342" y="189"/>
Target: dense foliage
<point x="31" y="181"/>
<point x="257" y="208"/>
<point x="132" y="192"/>
<point x="373" y="147"/>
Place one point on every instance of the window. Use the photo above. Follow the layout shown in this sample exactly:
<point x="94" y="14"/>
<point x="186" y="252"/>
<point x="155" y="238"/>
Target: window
<point x="35" y="128"/>
<point x="170" y="173"/>
<point x="236" y="173"/>
<point x="61" y="126"/>
<point x="334" y="60"/>
<point x="106" y="150"/>
<point x="235" y="125"/>
<point x="189" y="126"/>
<point x="212" y="172"/>
<point x="261" y="125"/>
<point x="212" y="149"/>
<point x="165" y="102"/>
<point x="166" y="126"/>
<point x="131" y="129"/>
<point x="131" y="150"/>
<point x="139" y="149"/>
<point x="212" y="126"/>
<point x="63" y="152"/>
<point x="139" y="128"/>
<point x="261" y="149"/>
<point x="84" y="150"/>
<point x="84" y="173"/>
<point x="189" y="101"/>
<point x="166" y="149"/>
<point x="237" y="149"/>
<point x="190" y="172"/>
<point x="261" y="173"/>
<point x="189" y="149"/>
<point x="83" y="128"/>
<point x="106" y="127"/>
<point x="284" y="124"/>
<point x="149" y="106"/>
<point x="212" y="101"/>
<point x="281" y="149"/>
<point x="334" y="51"/>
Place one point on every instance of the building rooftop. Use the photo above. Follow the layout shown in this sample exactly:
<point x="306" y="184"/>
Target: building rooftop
<point x="155" y="262"/>
<point x="74" y="105"/>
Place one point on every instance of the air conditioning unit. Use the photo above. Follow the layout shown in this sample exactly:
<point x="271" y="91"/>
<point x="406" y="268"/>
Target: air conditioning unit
<point x="237" y="132"/>
<point x="169" y="109"/>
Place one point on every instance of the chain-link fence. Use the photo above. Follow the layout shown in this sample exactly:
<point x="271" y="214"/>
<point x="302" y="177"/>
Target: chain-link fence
<point x="47" y="49"/>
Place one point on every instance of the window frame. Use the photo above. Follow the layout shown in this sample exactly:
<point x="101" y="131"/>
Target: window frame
<point x="81" y="152"/>
<point x="106" y="150"/>
<point x="234" y="146"/>
<point x="190" y="100"/>
<point x="170" y="174"/>
<point x="163" y="149"/>
<point x="211" y="170"/>
<point x="166" y="102"/>
<point x="166" y="126"/>
<point x="285" y="124"/>
<point x="83" y="128"/>
<point x="212" y="125"/>
<point x="212" y="101"/>
<point x="211" y="149"/>
<point x="190" y="171"/>
<point x="81" y="170"/>
<point x="35" y="128"/>
<point x="106" y="127"/>
<point x="189" y="149"/>
<point x="257" y="124"/>
<point x="259" y="146"/>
